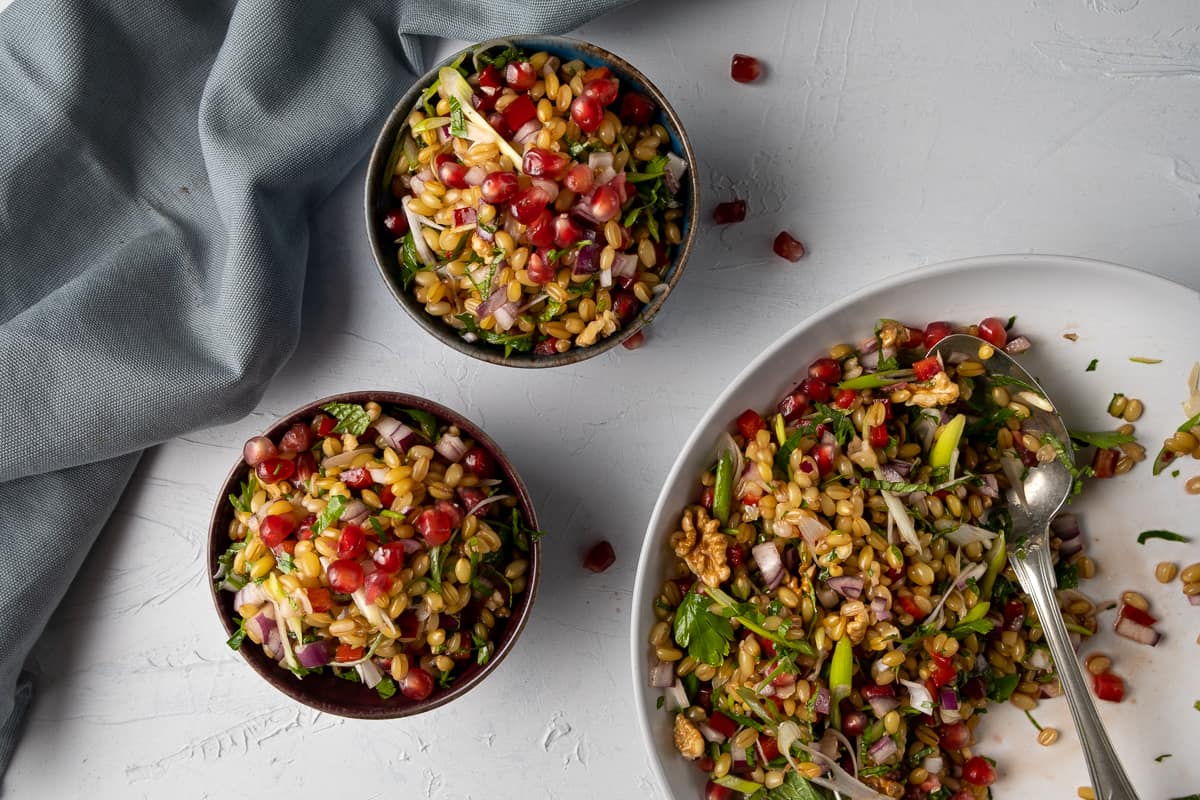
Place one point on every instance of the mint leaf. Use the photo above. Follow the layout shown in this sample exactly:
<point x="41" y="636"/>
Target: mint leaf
<point x="426" y="422"/>
<point x="330" y="514"/>
<point x="553" y="309"/>
<point x="705" y="634"/>
<point x="521" y="342"/>
<point x="352" y="418"/>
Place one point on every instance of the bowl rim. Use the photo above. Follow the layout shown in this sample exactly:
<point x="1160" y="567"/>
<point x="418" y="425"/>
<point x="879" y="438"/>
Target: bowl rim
<point x="651" y="540"/>
<point x="287" y="683"/>
<point x="490" y="353"/>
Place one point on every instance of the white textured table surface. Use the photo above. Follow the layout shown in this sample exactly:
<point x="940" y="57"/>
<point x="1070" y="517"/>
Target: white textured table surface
<point x="885" y="135"/>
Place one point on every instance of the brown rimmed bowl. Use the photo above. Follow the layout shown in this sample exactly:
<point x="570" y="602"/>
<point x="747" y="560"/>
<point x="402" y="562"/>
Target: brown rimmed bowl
<point x="379" y="200"/>
<point x="326" y="692"/>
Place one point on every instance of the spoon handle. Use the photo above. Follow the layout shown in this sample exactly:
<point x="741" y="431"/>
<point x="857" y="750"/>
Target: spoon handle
<point x="1036" y="574"/>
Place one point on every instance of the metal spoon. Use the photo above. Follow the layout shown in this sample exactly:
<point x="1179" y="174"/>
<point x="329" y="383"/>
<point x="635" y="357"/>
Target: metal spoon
<point x="1032" y="506"/>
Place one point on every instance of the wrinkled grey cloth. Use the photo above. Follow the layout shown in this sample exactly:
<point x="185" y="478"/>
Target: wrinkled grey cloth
<point x="158" y="163"/>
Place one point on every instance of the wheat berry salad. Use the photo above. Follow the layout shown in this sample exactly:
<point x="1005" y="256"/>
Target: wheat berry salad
<point x="840" y="612"/>
<point x="378" y="544"/>
<point x="536" y="204"/>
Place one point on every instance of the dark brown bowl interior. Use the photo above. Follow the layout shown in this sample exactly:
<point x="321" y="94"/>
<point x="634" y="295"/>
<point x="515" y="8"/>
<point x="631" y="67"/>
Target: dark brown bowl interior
<point x="378" y="200"/>
<point x="333" y="695"/>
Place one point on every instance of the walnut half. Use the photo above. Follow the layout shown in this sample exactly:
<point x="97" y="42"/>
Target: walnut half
<point x="943" y="392"/>
<point x="705" y="554"/>
<point x="688" y="739"/>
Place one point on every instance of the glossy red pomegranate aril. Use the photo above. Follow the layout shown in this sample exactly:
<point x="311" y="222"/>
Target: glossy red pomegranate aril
<point x="588" y="113"/>
<point x="636" y="109"/>
<point x="345" y="576"/>
<point x="634" y="342"/>
<point x="396" y="222"/>
<point x="605" y="203"/>
<point x="540" y="232"/>
<point x="417" y="684"/>
<point x="323" y="424"/>
<point x="844" y="398"/>
<point x="818" y="391"/>
<point x="542" y="163"/>
<point x="297" y="439"/>
<point x="389" y="557"/>
<point x="258" y="450"/>
<point x="452" y="510"/>
<point x="274" y="470"/>
<point x="579" y="179"/>
<point x="750" y="422"/>
<point x="566" y="231"/>
<point x="600" y="557"/>
<point x="433" y="526"/>
<point x="452" y="173"/>
<point x="794" y="405"/>
<point x="935" y="332"/>
<point x="625" y="305"/>
<point x="357" y="478"/>
<point x="518" y="112"/>
<point x="306" y="466"/>
<point x="539" y="271"/>
<point x="715" y="791"/>
<point x="520" y="75"/>
<point x="706" y="497"/>
<point x="786" y="246"/>
<point x="602" y="90"/>
<point x="732" y="211"/>
<point x="978" y="771"/>
<point x="528" y="203"/>
<point x="499" y="187"/>
<point x="490" y="78"/>
<point x="499" y="123"/>
<point x="351" y="542"/>
<point x="546" y="347"/>
<point x="992" y="331"/>
<point x="480" y="462"/>
<point x="745" y="69"/>
<point x="377" y="583"/>
<point x="734" y="555"/>
<point x="483" y="101"/>
<point x="825" y="369"/>
<point x="955" y="736"/>
<point x="275" y="528"/>
<point x="824" y="454"/>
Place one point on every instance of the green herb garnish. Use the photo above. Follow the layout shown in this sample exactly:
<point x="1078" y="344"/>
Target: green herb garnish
<point x="1169" y="536"/>
<point x="1162" y="758"/>
<point x="386" y="688"/>
<point x="877" y="380"/>
<point x="330" y="514"/>
<point x="249" y="487"/>
<point x="521" y="342"/>
<point x="458" y="124"/>
<point x="410" y="261"/>
<point x="352" y="418"/>
<point x="1091" y="367"/>
<point x="285" y="562"/>
<point x="425" y="422"/>
<point x="1104" y="440"/>
<point x="1067" y="575"/>
<point x="235" y="641"/>
<point x="706" y="635"/>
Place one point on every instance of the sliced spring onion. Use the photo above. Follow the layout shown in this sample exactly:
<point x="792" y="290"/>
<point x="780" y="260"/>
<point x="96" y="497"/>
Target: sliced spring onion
<point x="453" y="84"/>
<point x="996" y="562"/>
<point x="877" y="380"/>
<point x="946" y="442"/>
<point x="430" y="123"/>
<point x="738" y="784"/>
<point x="723" y="490"/>
<point x="841" y="673"/>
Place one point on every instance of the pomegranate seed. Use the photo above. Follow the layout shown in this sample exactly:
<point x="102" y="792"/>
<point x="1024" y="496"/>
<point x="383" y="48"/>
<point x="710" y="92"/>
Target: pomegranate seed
<point x="452" y="510"/>
<point x="480" y="462"/>
<point x="745" y="69"/>
<point x="528" y="203"/>
<point x="389" y="557"/>
<point x="715" y="791"/>
<point x="935" y="332"/>
<point x="433" y="526"/>
<point x="323" y="424"/>
<point x="386" y="496"/>
<point x="396" y="222"/>
<point x="484" y="100"/>
<point x="602" y="90"/>
<point x="605" y="203"/>
<point x="540" y="232"/>
<point x="297" y="439"/>
<point x="787" y="247"/>
<point x="955" y="736"/>
<point x="518" y="112"/>
<point x="566" y="231"/>
<point x="634" y="342"/>
<point x="600" y="557"/>
<point x="707" y="496"/>
<point x="817" y="390"/>
<point x="926" y="368"/>
<point x="750" y="422"/>
<point x="824" y="454"/>
<point x="258" y="450"/>
<point x="636" y="109"/>
<point x="825" y="369"/>
<point x="794" y="405"/>
<point x="377" y="583"/>
<point x="844" y="398"/>
<point x="490" y="78"/>
<point x="579" y="179"/>
<point x="879" y="436"/>
<point x="452" y="173"/>
<point x="733" y="555"/>
<point x="398" y="187"/>
<point x="275" y="469"/>
<point x="417" y="684"/>
<point x="306" y="466"/>
<point x="588" y="113"/>
<point x="539" y="271"/>
<point x="625" y="305"/>
<point x="499" y="122"/>
<point x="357" y="478"/>
<point x="979" y="772"/>
<point x="351" y="542"/>
<point x="499" y="187"/>
<point x="520" y="75"/>
<point x="854" y="723"/>
<point x="546" y="347"/>
<point x="345" y="576"/>
<point x="992" y="331"/>
<point x="541" y="163"/>
<point x="275" y="528"/>
<point x="1104" y="462"/>
<point x="726" y="213"/>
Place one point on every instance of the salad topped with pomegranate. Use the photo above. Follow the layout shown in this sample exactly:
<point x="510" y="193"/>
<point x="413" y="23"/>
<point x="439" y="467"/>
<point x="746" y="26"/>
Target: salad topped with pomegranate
<point x="537" y="203"/>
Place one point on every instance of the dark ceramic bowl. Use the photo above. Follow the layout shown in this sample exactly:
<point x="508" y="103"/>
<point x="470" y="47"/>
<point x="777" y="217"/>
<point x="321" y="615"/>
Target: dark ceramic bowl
<point x="379" y="200"/>
<point x="333" y="695"/>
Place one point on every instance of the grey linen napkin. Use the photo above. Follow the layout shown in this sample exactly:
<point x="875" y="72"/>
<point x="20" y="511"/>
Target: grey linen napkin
<point x="158" y="162"/>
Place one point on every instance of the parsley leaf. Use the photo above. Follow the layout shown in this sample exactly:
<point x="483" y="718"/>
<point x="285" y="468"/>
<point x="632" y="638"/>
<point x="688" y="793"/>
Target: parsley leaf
<point x="352" y="418"/>
<point x="521" y="342"/>
<point x="979" y="626"/>
<point x="458" y="125"/>
<point x="426" y="422"/>
<point x="706" y="635"/>
<point x="1104" y="440"/>
<point x="553" y="309"/>
<point x="843" y="431"/>
<point x="386" y="688"/>
<point x="499" y="60"/>
<point x="235" y="641"/>
<point x="249" y="487"/>
<point x="330" y="514"/>
<point x="1169" y="536"/>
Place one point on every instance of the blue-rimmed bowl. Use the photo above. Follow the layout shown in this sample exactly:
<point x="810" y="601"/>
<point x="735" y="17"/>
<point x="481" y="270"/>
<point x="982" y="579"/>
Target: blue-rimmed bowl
<point x="379" y="200"/>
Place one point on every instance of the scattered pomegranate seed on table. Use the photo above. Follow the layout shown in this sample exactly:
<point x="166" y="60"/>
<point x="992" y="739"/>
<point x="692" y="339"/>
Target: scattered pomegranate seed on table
<point x="635" y="341"/>
<point x="788" y="247"/>
<point x="600" y="557"/>
<point x="732" y="211"/>
<point x="745" y="69"/>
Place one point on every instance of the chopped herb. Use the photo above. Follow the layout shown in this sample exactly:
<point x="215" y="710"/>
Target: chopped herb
<point x="843" y="432"/>
<point x="796" y="787"/>
<point x="249" y="487"/>
<point x="553" y="309"/>
<point x="380" y="531"/>
<point x="1165" y="456"/>
<point x="661" y="700"/>
<point x="1067" y="575"/>
<point x="1144" y="360"/>
<point x="1162" y="758"/>
<point x="706" y="635"/>
<point x="1169" y="536"/>
<point x="1077" y="473"/>
<point x="235" y="641"/>
<point x="386" y="688"/>
<point x="1091" y="367"/>
<point x="348" y="675"/>
<point x="1002" y="688"/>
<point x="443" y="680"/>
<point x="352" y="418"/>
<point x="410" y="262"/>
<point x="330" y="514"/>
<point x="387" y="512"/>
<point x="501" y="59"/>
<point x="521" y="342"/>
<point x="1174" y="473"/>
<point x="426" y="422"/>
<point x="979" y="626"/>
<point x="1082" y="631"/>
<point x="1034" y="721"/>
<point x="582" y="288"/>
<point x="1103" y="440"/>
<point x="286" y="563"/>
<point x="1011" y="321"/>
<point x="1008" y="380"/>
<point x="458" y="125"/>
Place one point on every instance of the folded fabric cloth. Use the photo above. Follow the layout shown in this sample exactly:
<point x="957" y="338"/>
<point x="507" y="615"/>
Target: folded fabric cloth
<point x="158" y="162"/>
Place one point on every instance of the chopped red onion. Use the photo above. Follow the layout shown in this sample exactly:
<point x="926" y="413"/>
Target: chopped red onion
<point x="813" y="530"/>
<point x="313" y="655"/>
<point x="497" y="298"/>
<point x="989" y="487"/>
<point x="475" y="175"/>
<point x="451" y="447"/>
<point x="883" y="749"/>
<point x="948" y="698"/>
<point x="398" y="435"/>
<point x="416" y="184"/>
<point x="354" y="512"/>
<point x="1052" y="689"/>
<point x="711" y="734"/>
<point x="882" y="705"/>
<point x="379" y="474"/>
<point x="1070" y="547"/>
<point x="587" y="260"/>
<point x="263" y="624"/>
<point x="251" y="594"/>
<point x="662" y="675"/>
<point x="344" y="459"/>
<point x="484" y="503"/>
<point x="918" y="697"/>
<point x="933" y="765"/>
<point x="624" y="265"/>
<point x="1066" y="526"/>
<point x="412" y="545"/>
<point x="673" y="172"/>
<point x="821" y="703"/>
<point x="606" y="278"/>
<point x="464" y="216"/>
<point x="273" y="644"/>
<point x="766" y="556"/>
<point x="370" y="674"/>
<point x="1039" y="659"/>
<point x="1018" y="344"/>
<point x="1194" y="599"/>
<point x="600" y="160"/>
<point x="1142" y="634"/>
<point x="677" y="699"/>
<point x="526" y="132"/>
<point x="880" y="608"/>
<point x="848" y="586"/>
